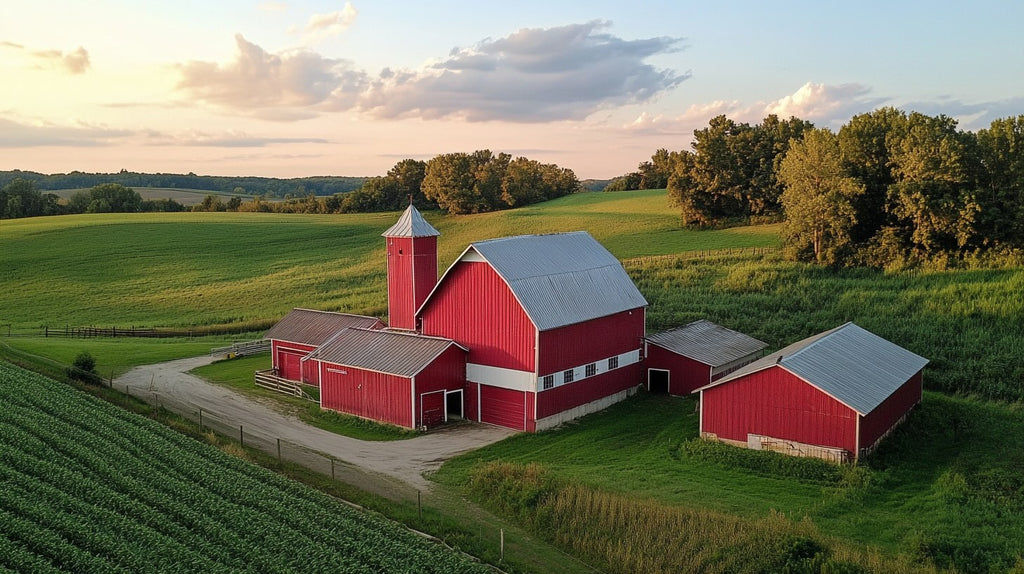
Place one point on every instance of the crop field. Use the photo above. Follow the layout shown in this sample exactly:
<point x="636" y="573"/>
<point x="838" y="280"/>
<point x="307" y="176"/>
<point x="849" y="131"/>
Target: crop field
<point x="88" y="487"/>
<point x="183" y="196"/>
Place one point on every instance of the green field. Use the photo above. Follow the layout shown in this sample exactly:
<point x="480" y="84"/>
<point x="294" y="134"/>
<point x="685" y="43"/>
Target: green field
<point x="183" y="196"/>
<point x="88" y="487"/>
<point x="194" y="269"/>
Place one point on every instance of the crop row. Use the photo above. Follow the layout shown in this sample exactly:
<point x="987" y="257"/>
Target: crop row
<point x="89" y="487"/>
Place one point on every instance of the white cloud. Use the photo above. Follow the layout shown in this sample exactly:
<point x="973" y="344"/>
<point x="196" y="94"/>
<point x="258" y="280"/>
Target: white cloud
<point x="16" y="134"/>
<point x="287" y="86"/>
<point x="532" y="75"/>
<point x="73" y="62"/>
<point x="331" y="24"/>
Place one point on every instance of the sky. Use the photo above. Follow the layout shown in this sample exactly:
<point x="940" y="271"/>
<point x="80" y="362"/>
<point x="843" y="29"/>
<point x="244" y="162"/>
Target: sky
<point x="288" y="88"/>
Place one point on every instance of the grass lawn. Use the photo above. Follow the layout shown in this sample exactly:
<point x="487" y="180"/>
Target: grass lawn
<point x="238" y="374"/>
<point x="946" y="487"/>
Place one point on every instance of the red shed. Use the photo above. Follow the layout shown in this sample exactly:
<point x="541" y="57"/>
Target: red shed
<point x="399" y="378"/>
<point x="684" y="359"/>
<point x="834" y="395"/>
<point x="553" y="324"/>
<point x="303" y="330"/>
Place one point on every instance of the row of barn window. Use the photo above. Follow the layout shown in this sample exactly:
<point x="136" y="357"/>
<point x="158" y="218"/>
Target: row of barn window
<point x="569" y="375"/>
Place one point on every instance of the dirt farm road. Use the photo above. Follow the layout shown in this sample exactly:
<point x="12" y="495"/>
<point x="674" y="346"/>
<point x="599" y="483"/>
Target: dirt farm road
<point x="172" y="386"/>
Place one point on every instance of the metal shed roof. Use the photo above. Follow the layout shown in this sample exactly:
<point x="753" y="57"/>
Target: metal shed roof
<point x="391" y="352"/>
<point x="562" y="278"/>
<point x="309" y="327"/>
<point x="708" y="343"/>
<point x="411" y="224"/>
<point x="853" y="365"/>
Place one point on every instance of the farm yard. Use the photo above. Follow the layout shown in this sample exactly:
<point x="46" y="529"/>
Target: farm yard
<point x="945" y="491"/>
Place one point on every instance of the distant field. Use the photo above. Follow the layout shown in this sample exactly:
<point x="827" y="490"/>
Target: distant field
<point x="182" y="196"/>
<point x="88" y="487"/>
<point x="187" y="269"/>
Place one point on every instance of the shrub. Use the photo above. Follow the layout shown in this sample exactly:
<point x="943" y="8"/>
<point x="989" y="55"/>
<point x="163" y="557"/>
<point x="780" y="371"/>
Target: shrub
<point x="84" y="369"/>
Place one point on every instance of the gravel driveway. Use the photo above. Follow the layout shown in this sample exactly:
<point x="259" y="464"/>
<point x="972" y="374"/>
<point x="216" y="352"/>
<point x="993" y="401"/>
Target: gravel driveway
<point x="171" y="385"/>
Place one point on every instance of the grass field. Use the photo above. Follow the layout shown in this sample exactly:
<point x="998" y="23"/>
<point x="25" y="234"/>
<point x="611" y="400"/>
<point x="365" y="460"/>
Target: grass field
<point x="197" y="269"/>
<point x="182" y="196"/>
<point x="89" y="487"/>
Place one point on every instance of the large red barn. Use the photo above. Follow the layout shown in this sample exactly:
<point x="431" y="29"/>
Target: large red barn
<point x="553" y="324"/>
<point x="834" y="395"/>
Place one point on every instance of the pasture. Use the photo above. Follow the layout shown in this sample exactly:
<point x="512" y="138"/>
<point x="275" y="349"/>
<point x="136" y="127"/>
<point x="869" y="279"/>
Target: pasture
<point x="185" y="197"/>
<point x="89" y="487"/>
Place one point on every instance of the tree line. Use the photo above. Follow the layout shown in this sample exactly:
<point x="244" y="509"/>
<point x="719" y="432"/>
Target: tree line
<point x="890" y="187"/>
<point x="268" y="187"/>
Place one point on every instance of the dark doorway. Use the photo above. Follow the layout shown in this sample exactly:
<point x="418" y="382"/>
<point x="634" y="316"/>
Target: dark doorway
<point x="453" y="405"/>
<point x="657" y="381"/>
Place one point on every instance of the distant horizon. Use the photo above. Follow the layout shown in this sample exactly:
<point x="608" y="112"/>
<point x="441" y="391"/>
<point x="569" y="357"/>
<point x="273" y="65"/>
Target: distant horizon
<point x="286" y="89"/>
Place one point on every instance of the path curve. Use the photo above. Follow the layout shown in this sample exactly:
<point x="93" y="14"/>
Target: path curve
<point x="405" y="460"/>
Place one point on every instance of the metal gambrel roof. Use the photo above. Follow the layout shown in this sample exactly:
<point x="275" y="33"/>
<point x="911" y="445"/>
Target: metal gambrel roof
<point x="391" y="352"/>
<point x="708" y="343"/>
<point x="562" y="278"/>
<point x="411" y="224"/>
<point x="309" y="327"/>
<point x="853" y="365"/>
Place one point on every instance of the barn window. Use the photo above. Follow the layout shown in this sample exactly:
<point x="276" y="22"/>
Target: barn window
<point x="567" y="376"/>
<point x="549" y="381"/>
<point x="613" y="363"/>
<point x="591" y="369"/>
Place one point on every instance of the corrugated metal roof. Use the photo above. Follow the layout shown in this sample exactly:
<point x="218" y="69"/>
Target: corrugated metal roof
<point x="708" y="343"/>
<point x="310" y="327"/>
<point x="853" y="365"/>
<point x="391" y="352"/>
<point x="562" y="278"/>
<point x="411" y="224"/>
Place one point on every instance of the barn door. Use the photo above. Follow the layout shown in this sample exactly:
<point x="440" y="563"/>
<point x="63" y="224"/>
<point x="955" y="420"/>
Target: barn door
<point x="290" y="365"/>
<point x="503" y="407"/>
<point x="657" y="380"/>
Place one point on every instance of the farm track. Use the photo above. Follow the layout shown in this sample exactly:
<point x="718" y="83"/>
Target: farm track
<point x="394" y="469"/>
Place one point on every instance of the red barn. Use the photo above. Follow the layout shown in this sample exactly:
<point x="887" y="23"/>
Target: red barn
<point x="684" y="359"/>
<point x="553" y="324"/>
<point x="834" y="395"/>
<point x="400" y="378"/>
<point x="303" y="330"/>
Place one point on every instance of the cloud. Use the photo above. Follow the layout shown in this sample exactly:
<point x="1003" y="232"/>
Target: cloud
<point x="286" y="86"/>
<point x="6" y="44"/>
<point x="533" y="75"/>
<point x="969" y="116"/>
<point x="15" y="134"/>
<point x="824" y="105"/>
<point x="74" y="62"/>
<point x="332" y="24"/>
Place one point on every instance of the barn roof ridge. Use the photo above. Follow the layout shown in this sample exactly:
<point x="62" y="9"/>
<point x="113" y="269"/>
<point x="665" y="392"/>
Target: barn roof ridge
<point x="382" y="351"/>
<point x="313" y="327"/>
<point x="707" y="342"/>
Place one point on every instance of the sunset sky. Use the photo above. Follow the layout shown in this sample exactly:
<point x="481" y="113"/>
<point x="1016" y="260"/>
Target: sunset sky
<point x="303" y="88"/>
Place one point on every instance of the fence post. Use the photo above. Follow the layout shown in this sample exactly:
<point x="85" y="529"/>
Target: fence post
<point x="332" y="468"/>
<point x="200" y="419"/>
<point x="419" y="505"/>
<point x="241" y="436"/>
<point x="278" y="450"/>
<point x="502" y="556"/>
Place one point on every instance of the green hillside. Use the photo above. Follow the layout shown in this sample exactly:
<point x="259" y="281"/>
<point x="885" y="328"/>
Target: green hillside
<point x="190" y="269"/>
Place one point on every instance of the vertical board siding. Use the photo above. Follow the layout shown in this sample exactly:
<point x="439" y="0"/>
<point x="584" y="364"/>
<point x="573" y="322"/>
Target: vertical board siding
<point x="777" y="404"/>
<point x="878" y="422"/>
<point x="475" y="308"/>
<point x="564" y="397"/>
<point x="685" y="374"/>
<point x="377" y="396"/>
<point x="430" y="409"/>
<point x="594" y="340"/>
<point x="400" y="282"/>
<point x="448" y="373"/>
<point x="287" y="359"/>
<point x="503" y="407"/>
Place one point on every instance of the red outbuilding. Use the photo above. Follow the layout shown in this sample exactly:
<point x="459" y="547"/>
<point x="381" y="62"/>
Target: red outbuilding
<point x="303" y="330"/>
<point x="684" y="359"/>
<point x="834" y="395"/>
<point x="553" y="324"/>
<point x="401" y="378"/>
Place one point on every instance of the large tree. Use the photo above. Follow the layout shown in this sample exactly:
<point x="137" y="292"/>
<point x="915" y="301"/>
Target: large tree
<point x="818" y="198"/>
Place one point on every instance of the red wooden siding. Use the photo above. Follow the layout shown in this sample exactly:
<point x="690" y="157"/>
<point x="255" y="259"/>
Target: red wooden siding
<point x="445" y="373"/>
<point x="582" y="343"/>
<point x="776" y="403"/>
<point x="879" y="421"/>
<point x="503" y="407"/>
<point x="412" y="273"/>
<point x="564" y="397"/>
<point x="476" y="308"/>
<point x="685" y="374"/>
<point x="385" y="398"/>
<point x="287" y="359"/>
<point x="430" y="409"/>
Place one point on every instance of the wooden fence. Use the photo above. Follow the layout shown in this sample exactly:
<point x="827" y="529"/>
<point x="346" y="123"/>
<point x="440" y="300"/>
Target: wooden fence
<point x="243" y="348"/>
<point x="269" y="380"/>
